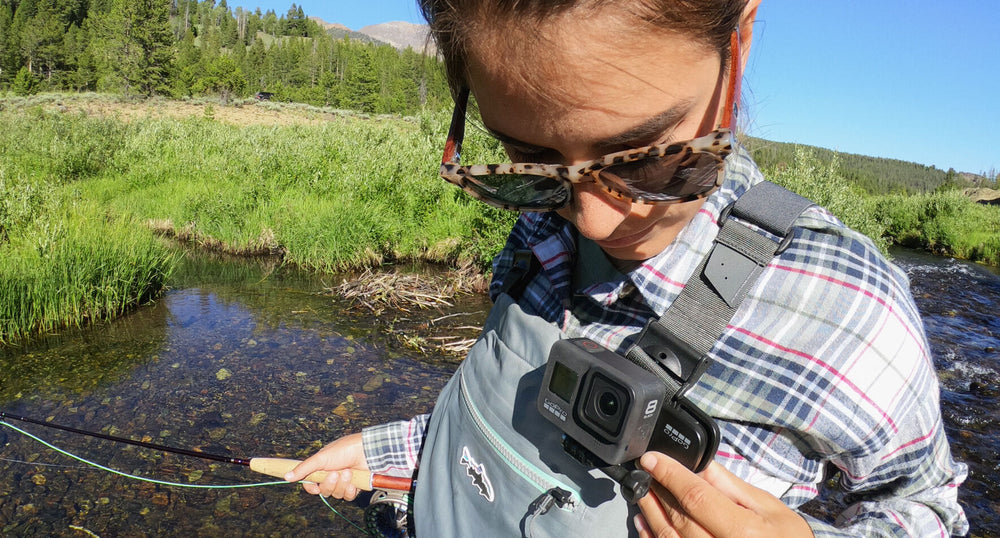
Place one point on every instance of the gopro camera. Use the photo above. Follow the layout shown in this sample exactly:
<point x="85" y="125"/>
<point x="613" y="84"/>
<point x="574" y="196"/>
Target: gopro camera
<point x="617" y="410"/>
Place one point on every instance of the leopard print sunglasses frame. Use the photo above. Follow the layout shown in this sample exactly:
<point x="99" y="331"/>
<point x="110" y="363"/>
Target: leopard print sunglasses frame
<point x="659" y="174"/>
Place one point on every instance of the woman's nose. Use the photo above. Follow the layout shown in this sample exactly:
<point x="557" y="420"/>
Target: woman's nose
<point x="595" y="212"/>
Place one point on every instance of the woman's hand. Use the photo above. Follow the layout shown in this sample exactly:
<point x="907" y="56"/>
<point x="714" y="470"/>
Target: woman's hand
<point x="338" y="457"/>
<point x="714" y="503"/>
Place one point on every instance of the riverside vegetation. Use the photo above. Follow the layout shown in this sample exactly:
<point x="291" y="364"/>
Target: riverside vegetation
<point x="87" y="184"/>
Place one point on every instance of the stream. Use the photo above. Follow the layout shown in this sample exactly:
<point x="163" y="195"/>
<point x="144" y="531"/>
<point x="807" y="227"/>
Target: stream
<point x="247" y="359"/>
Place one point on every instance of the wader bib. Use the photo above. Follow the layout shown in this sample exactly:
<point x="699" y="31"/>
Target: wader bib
<point x="492" y="466"/>
<point x="486" y="472"/>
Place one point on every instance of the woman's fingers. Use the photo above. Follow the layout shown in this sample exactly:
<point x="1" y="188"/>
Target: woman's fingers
<point x="664" y="517"/>
<point x="691" y="505"/>
<point x="714" y="503"/>
<point x="337" y="484"/>
<point x="337" y="458"/>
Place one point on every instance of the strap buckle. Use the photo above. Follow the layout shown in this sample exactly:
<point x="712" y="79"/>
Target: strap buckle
<point x="672" y="355"/>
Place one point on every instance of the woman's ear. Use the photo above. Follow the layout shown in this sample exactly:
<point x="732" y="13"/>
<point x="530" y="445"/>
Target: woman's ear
<point x="746" y="30"/>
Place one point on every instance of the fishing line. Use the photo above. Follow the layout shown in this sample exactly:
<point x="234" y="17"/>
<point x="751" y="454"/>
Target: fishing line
<point x="152" y="480"/>
<point x="55" y="465"/>
<point x="132" y="476"/>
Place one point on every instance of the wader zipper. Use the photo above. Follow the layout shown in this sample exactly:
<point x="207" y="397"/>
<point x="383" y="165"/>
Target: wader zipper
<point x="535" y="476"/>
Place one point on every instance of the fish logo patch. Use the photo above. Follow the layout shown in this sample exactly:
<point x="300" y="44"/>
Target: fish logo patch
<point x="477" y="472"/>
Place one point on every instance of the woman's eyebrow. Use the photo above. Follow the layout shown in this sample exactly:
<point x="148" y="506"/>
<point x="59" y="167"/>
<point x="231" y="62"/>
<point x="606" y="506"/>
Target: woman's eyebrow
<point x="650" y="129"/>
<point x="644" y="132"/>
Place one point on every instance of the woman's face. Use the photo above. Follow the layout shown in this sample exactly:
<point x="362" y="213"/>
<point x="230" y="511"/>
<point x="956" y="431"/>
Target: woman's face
<point x="578" y="90"/>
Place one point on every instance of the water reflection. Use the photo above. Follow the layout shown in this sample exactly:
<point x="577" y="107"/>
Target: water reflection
<point x="242" y="359"/>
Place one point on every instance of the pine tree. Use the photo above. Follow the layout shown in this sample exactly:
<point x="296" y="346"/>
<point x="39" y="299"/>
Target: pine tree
<point x="42" y="39"/>
<point x="25" y="83"/>
<point x="8" y="58"/>
<point x="225" y="77"/>
<point x="138" y="49"/>
<point x="361" y="83"/>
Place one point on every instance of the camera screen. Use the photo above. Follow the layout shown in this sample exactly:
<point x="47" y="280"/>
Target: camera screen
<point x="563" y="381"/>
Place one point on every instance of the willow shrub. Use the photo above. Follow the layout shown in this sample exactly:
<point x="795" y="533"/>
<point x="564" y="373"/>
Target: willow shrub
<point x="943" y="222"/>
<point x="823" y="184"/>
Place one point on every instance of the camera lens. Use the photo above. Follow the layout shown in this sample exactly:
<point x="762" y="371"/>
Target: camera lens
<point x="605" y="407"/>
<point x="608" y="404"/>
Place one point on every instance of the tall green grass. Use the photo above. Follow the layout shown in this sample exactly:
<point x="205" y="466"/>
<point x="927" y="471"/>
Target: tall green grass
<point x="341" y="194"/>
<point x="73" y="267"/>
<point x="947" y="223"/>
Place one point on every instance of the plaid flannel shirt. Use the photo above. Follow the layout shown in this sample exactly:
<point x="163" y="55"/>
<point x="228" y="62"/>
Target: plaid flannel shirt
<point x="825" y="363"/>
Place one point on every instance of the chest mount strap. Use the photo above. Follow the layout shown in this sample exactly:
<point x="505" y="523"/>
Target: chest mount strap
<point x="675" y="346"/>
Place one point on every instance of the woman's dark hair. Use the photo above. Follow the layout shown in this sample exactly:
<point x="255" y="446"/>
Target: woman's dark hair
<point x="455" y="23"/>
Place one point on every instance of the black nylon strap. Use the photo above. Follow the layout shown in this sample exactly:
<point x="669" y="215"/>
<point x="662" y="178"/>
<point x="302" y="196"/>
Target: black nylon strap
<point x="679" y="341"/>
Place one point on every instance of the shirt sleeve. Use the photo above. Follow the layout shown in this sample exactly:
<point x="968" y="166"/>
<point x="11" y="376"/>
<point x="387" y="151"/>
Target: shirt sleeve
<point x="895" y="464"/>
<point x="394" y="448"/>
<point x="902" y="475"/>
<point x="910" y="486"/>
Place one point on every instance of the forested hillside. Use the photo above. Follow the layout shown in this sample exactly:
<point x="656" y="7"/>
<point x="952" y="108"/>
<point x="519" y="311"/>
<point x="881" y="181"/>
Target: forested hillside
<point x="187" y="48"/>
<point x="876" y="175"/>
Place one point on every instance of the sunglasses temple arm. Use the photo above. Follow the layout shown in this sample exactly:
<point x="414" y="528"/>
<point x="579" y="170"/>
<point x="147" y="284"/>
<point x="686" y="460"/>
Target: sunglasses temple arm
<point x="456" y="133"/>
<point x="735" y="82"/>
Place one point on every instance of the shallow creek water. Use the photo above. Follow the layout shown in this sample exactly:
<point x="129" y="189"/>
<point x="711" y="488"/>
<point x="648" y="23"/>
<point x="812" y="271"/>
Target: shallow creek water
<point x="235" y="359"/>
<point x="240" y="359"/>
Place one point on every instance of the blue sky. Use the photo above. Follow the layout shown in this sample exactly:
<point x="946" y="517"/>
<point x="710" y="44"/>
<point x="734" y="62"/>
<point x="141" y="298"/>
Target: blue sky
<point x="914" y="80"/>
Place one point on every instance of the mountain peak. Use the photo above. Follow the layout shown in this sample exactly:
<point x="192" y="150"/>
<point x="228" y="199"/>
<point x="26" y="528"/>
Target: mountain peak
<point x="401" y="34"/>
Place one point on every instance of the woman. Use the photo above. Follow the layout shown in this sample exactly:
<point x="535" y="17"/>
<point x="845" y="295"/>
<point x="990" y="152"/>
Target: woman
<point x="824" y="367"/>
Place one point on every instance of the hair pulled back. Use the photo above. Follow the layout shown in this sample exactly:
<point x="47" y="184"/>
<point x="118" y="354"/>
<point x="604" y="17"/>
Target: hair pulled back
<point x="455" y="24"/>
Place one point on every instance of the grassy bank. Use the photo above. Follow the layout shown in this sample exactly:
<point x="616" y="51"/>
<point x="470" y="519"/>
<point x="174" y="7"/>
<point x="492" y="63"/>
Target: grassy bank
<point x="946" y="223"/>
<point x="340" y="192"/>
<point x="326" y="190"/>
<point x="83" y="179"/>
<point x="76" y="267"/>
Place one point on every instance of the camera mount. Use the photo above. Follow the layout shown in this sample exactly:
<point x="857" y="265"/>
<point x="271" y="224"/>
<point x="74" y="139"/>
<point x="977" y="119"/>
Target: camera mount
<point x="634" y="482"/>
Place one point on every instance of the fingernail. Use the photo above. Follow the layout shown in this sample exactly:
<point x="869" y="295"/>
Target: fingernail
<point x="289" y="476"/>
<point x="648" y="461"/>
<point x="640" y="523"/>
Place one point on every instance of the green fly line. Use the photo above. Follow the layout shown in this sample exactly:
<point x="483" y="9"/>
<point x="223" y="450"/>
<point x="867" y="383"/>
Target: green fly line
<point x="162" y="482"/>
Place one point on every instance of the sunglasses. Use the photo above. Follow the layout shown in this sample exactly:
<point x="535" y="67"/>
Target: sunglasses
<point x="660" y="174"/>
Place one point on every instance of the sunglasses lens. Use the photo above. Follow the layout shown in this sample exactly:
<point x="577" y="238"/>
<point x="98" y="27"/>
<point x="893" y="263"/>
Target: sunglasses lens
<point x="668" y="178"/>
<point x="520" y="191"/>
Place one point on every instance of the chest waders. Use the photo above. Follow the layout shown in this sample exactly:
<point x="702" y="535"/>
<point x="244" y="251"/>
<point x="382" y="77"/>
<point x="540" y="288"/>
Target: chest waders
<point x="492" y="466"/>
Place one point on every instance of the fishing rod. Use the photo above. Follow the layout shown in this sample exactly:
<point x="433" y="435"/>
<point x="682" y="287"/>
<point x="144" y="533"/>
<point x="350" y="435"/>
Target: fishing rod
<point x="276" y="467"/>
